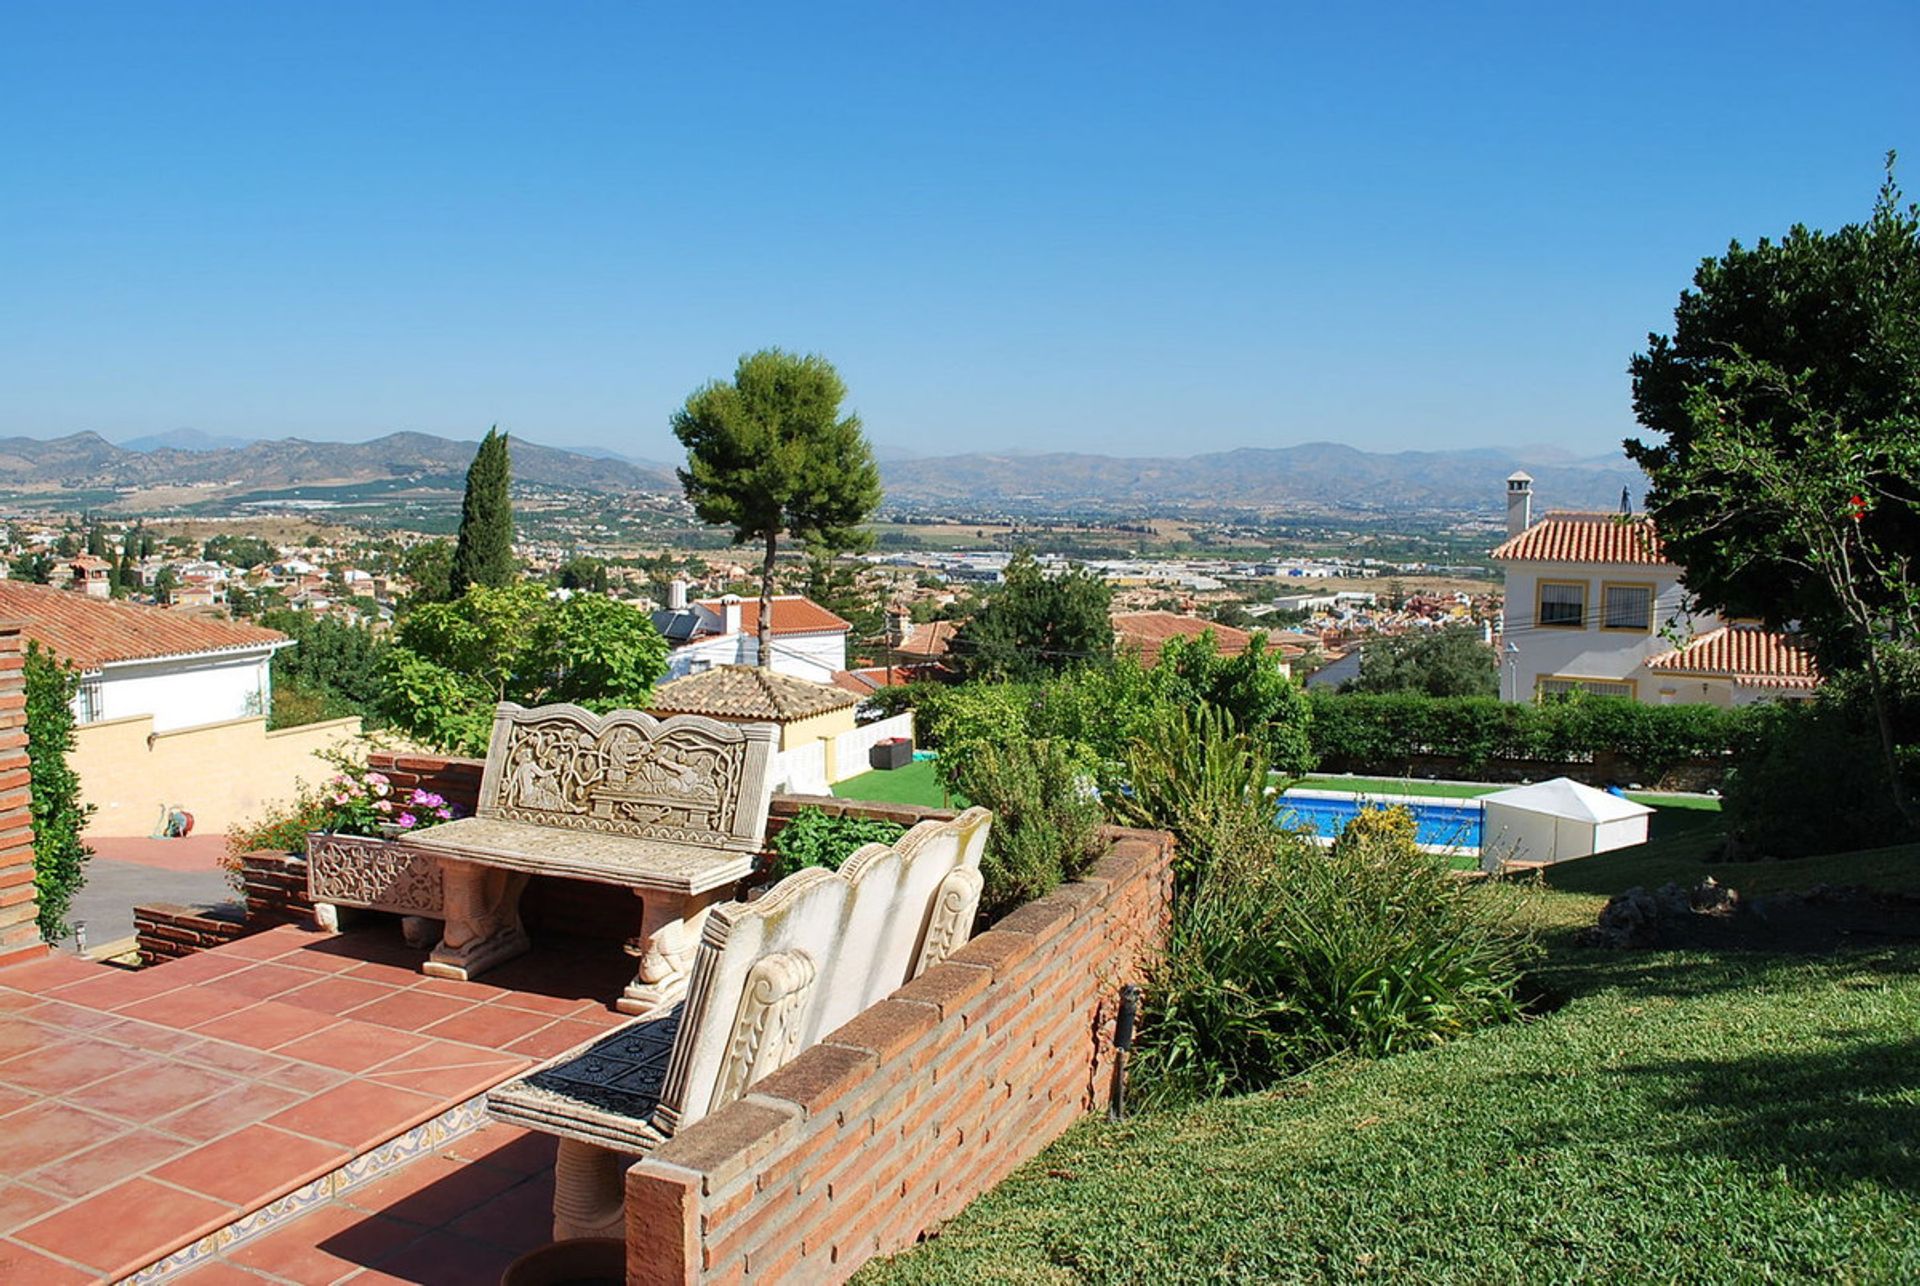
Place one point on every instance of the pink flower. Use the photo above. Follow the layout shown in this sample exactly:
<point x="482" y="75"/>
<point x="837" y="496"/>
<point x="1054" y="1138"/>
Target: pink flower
<point x="383" y="805"/>
<point x="339" y="797"/>
<point x="406" y="820"/>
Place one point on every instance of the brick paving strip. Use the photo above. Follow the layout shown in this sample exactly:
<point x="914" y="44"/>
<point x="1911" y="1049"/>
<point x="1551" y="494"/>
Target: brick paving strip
<point x="141" y="1112"/>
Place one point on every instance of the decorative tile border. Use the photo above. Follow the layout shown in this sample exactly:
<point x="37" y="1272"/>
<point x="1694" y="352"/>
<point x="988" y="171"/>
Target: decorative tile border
<point x="428" y="1137"/>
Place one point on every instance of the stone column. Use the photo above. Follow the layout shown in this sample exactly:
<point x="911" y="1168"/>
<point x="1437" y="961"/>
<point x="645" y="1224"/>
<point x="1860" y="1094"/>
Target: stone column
<point x="19" y="935"/>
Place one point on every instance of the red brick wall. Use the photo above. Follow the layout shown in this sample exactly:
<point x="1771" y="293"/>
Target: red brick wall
<point x="169" y="931"/>
<point x="900" y="1118"/>
<point x="19" y="936"/>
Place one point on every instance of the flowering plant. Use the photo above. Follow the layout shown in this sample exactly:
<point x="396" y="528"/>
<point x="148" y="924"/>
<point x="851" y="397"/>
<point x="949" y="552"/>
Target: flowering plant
<point x="360" y="801"/>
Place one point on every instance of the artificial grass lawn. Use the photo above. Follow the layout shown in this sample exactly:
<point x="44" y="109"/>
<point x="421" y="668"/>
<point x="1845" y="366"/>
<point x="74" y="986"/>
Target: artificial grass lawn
<point x="1683" y="1116"/>
<point x="918" y="783"/>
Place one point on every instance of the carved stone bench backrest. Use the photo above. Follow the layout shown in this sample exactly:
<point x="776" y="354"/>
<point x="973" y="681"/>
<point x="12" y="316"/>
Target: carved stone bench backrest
<point x="774" y="976"/>
<point x="683" y="780"/>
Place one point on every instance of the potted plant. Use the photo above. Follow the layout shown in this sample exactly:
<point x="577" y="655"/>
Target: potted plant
<point x="353" y="858"/>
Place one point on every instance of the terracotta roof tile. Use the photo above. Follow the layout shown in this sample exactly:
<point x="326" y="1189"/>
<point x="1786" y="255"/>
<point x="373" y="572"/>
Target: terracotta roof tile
<point x="91" y="632"/>
<point x="747" y="692"/>
<point x="1149" y="632"/>
<point x="1585" y="538"/>
<point x="929" y="640"/>
<point x="792" y="614"/>
<point x="1746" y="654"/>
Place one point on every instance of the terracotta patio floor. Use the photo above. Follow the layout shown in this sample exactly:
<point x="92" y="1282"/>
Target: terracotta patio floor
<point x="141" y="1111"/>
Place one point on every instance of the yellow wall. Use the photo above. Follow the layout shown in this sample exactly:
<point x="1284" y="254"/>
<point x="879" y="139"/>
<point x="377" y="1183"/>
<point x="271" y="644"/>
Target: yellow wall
<point x="830" y="724"/>
<point x="222" y="773"/>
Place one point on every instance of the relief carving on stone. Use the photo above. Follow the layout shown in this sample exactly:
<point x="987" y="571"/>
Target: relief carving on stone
<point x="950" y="922"/>
<point x="680" y="782"/>
<point x="378" y="875"/>
<point x="766" y="1030"/>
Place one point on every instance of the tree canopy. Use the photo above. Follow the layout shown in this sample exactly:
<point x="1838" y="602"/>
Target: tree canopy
<point x="483" y="553"/>
<point x="1451" y="661"/>
<point x="1037" y="624"/>
<point x="452" y="662"/>
<point x="771" y="451"/>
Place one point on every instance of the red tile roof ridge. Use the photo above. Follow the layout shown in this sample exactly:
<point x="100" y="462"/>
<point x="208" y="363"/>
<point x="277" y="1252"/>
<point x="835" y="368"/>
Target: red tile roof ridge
<point x="90" y="632"/>
<point x="1746" y="654"/>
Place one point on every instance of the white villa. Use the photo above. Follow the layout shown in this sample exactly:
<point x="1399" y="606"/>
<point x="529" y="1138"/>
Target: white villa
<point x="809" y="642"/>
<point x="1592" y="603"/>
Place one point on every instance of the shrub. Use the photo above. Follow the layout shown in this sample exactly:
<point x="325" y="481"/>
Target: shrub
<point x="1187" y="773"/>
<point x="814" y="838"/>
<point x="1286" y="954"/>
<point x="1046" y="818"/>
<point x="59" y="856"/>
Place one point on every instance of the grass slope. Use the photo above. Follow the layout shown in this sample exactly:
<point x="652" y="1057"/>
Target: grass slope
<point x="918" y="783"/>
<point x="1683" y="1116"/>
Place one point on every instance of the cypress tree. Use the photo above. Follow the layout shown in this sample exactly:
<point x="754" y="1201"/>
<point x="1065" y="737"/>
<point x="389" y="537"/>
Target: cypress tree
<point x="483" y="555"/>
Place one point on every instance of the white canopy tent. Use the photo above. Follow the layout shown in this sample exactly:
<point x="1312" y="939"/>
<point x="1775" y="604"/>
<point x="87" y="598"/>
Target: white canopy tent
<point x="1551" y="821"/>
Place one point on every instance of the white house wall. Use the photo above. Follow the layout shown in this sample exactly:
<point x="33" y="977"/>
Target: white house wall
<point x="1591" y="652"/>
<point x="184" y="692"/>
<point x="817" y="657"/>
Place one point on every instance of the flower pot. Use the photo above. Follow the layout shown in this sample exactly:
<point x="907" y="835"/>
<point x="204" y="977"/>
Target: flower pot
<point x="584" y="1261"/>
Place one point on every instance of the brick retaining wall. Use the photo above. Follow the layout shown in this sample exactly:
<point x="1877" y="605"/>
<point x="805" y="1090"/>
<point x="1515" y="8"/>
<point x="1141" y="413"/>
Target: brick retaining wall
<point x="900" y="1118"/>
<point x="169" y="931"/>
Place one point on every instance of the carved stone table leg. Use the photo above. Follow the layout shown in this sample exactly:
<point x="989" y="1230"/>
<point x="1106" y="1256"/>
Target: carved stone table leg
<point x="589" y="1191"/>
<point x="670" y="928"/>
<point x="482" y="921"/>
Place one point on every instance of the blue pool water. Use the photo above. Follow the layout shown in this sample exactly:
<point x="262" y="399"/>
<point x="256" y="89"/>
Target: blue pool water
<point x="1443" y="823"/>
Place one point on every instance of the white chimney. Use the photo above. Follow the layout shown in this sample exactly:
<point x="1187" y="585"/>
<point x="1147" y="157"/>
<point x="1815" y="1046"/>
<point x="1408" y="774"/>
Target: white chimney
<point x="730" y="614"/>
<point x="899" y="626"/>
<point x="1519" y="503"/>
<point x="677" y="594"/>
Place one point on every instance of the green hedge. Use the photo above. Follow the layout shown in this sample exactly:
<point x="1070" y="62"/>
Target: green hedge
<point x="1362" y="732"/>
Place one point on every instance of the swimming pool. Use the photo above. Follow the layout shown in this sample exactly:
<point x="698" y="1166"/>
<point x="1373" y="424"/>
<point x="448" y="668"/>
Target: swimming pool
<point x="1454" y="824"/>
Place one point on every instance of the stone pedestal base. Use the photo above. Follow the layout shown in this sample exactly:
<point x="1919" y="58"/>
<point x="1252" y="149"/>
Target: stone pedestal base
<point x="669" y="936"/>
<point x="589" y="1191"/>
<point x="482" y="927"/>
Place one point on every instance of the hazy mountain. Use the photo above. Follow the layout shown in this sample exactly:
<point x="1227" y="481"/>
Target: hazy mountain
<point x="88" y="460"/>
<point x="1323" y="475"/>
<point x="184" y="440"/>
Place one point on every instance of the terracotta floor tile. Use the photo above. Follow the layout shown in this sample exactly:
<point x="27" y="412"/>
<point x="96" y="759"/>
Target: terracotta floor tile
<point x="24" y="1266"/>
<point x="58" y="1013"/>
<point x="152" y="1092"/>
<point x="266" y="1025"/>
<point x="11" y="999"/>
<point x="64" y="1066"/>
<point x="202" y="966"/>
<point x="328" y="1244"/>
<point x="209" y="1120"/>
<point x="556" y="1038"/>
<point x="187" y="1007"/>
<point x="351" y="1046"/>
<point x="253" y="1166"/>
<point x="20" y="1204"/>
<point x="454" y="1084"/>
<point x="241" y="1060"/>
<point x="331" y="995"/>
<point x="263" y="946"/>
<point x="19" y="1036"/>
<point x="264" y="981"/>
<point x="117" y="987"/>
<point x="14" y="1100"/>
<point x="357" y="1114"/>
<point x="307" y="1078"/>
<point x="379" y="971"/>
<point x="460" y="989"/>
<point x="107" y="1163"/>
<point x="491" y="1026"/>
<point x="442" y="1259"/>
<point x="147" y="1038"/>
<point x="48" y="1131"/>
<point x="431" y="1191"/>
<point x="505" y="1147"/>
<point x="541" y="1003"/>
<point x="518" y="1219"/>
<point x="56" y="970"/>
<point x="318" y="958"/>
<point x="409" y="1010"/>
<point x="126" y="1227"/>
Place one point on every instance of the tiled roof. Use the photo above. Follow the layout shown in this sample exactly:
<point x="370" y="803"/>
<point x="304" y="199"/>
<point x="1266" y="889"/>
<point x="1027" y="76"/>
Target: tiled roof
<point x="869" y="680"/>
<point x="932" y="639"/>
<point x="792" y="614"/>
<point x="1149" y="632"/>
<point x="747" y="692"/>
<point x="91" y="632"/>
<point x="1746" y="654"/>
<point x="1585" y="538"/>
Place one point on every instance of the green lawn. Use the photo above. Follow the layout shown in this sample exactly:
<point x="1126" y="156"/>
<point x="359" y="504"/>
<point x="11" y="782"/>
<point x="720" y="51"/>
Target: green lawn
<point x="917" y="783"/>
<point x="1682" y="1116"/>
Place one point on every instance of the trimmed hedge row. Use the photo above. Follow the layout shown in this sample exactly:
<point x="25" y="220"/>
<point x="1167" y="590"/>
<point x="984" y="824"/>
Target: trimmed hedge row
<point x="1366" y="732"/>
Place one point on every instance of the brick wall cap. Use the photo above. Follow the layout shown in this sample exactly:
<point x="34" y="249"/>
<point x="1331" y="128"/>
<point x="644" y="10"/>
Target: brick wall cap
<point x="947" y="986"/>
<point x="818" y="1077"/>
<point x="997" y="951"/>
<point x="887" y="1028"/>
<point x="725" y="1144"/>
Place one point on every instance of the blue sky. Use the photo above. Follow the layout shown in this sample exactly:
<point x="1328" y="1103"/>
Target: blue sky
<point x="1139" y="229"/>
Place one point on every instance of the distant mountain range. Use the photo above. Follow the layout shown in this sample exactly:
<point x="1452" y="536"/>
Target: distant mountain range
<point x="1322" y="477"/>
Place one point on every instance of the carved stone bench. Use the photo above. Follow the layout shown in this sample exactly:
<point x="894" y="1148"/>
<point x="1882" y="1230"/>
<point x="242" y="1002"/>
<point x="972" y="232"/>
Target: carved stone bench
<point x="771" y="978"/>
<point x="674" y="810"/>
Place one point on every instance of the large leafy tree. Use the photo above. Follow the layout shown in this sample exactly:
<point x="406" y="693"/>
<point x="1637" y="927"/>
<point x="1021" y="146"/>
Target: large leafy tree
<point x="483" y="553"/>
<point x="452" y="662"/>
<point x="770" y="452"/>
<point x="1037" y="624"/>
<point x="1786" y="458"/>
<point x="1448" y="662"/>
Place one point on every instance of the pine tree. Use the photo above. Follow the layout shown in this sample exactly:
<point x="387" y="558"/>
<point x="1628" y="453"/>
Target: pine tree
<point x="483" y="555"/>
